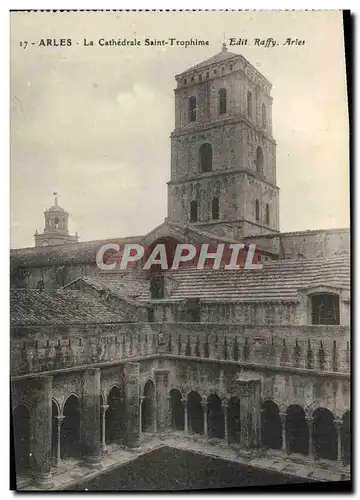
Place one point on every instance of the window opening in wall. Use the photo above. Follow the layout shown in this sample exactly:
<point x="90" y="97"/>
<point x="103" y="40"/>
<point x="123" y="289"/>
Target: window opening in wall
<point x="325" y="309"/>
<point x="193" y="211"/>
<point x="157" y="286"/>
<point x="257" y="210"/>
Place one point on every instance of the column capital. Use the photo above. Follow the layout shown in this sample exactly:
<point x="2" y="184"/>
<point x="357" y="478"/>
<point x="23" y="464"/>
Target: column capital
<point x="282" y="417"/>
<point x="338" y="424"/>
<point x="59" y="419"/>
<point x="204" y="404"/>
<point x="309" y="420"/>
<point x="224" y="404"/>
<point x="103" y="408"/>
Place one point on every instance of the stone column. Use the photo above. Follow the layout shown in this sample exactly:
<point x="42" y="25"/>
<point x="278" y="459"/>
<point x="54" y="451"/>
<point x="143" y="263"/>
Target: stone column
<point x="42" y="430"/>
<point x="140" y="416"/>
<point x="59" y="420"/>
<point x="310" y="421"/>
<point x="338" y="424"/>
<point x="248" y="392"/>
<point x="132" y="402"/>
<point x="103" y="420"/>
<point x="205" y="410"/>
<point x="225" y="410"/>
<point x="90" y="418"/>
<point x="283" y="432"/>
<point x="162" y="402"/>
<point x="186" y="421"/>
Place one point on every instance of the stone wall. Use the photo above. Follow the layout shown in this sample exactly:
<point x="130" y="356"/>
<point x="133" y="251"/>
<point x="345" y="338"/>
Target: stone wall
<point x="319" y="348"/>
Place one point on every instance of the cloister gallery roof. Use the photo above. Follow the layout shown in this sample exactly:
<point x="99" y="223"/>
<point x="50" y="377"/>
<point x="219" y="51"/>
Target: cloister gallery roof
<point x="60" y="307"/>
<point x="277" y="281"/>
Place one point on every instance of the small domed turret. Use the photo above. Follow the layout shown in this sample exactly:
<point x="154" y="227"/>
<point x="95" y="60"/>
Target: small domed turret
<point x="56" y="227"/>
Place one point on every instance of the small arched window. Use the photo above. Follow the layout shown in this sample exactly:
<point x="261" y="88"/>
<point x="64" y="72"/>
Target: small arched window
<point x="267" y="214"/>
<point x="222" y="101"/>
<point x="215" y="209"/>
<point x="193" y="211"/>
<point x="56" y="222"/>
<point x="259" y="161"/>
<point x="263" y="115"/>
<point x="249" y="104"/>
<point x="257" y="210"/>
<point x="206" y="155"/>
<point x="192" y="109"/>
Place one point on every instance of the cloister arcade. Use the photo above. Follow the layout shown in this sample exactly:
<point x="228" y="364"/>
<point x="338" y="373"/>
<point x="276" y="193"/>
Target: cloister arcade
<point x="95" y="416"/>
<point x="317" y="435"/>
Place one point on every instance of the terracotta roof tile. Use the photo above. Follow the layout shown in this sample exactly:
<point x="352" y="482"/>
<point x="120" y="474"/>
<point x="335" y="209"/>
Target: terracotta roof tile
<point x="276" y="281"/>
<point x="59" y="307"/>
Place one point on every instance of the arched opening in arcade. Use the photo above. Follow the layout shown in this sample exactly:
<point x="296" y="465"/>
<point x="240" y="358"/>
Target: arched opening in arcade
<point x="148" y="408"/>
<point x="115" y="416"/>
<point x="297" y="430"/>
<point x="70" y="445"/>
<point x="346" y="437"/>
<point x="195" y="413"/>
<point x="234" y="420"/>
<point x="325" y="438"/>
<point x="177" y="410"/>
<point x="215" y="417"/>
<point x="22" y="436"/>
<point x="271" y="426"/>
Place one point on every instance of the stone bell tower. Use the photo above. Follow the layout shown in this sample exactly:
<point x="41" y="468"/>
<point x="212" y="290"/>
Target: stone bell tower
<point x="56" y="227"/>
<point x="223" y="160"/>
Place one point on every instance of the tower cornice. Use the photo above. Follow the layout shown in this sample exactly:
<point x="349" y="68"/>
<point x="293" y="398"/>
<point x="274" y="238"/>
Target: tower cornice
<point x="234" y="119"/>
<point x="221" y="173"/>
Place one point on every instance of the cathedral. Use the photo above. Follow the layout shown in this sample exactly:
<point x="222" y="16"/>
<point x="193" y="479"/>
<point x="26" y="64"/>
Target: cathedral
<point x="256" y="361"/>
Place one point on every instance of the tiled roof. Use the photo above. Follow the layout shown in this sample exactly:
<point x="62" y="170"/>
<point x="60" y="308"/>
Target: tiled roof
<point x="77" y="253"/>
<point x="59" y="307"/>
<point x="123" y="287"/>
<point x="220" y="57"/>
<point x="276" y="281"/>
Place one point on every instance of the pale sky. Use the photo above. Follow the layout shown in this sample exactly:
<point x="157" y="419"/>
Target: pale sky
<point x="94" y="122"/>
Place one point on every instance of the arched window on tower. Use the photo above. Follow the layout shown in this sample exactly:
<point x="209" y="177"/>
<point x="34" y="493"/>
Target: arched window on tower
<point x="56" y="223"/>
<point x="193" y="211"/>
<point x="222" y="101"/>
<point x="192" y="109"/>
<point x="249" y="104"/>
<point x="259" y="161"/>
<point x="263" y="115"/>
<point x="215" y="209"/>
<point x="267" y="214"/>
<point x="206" y="155"/>
<point x="257" y="210"/>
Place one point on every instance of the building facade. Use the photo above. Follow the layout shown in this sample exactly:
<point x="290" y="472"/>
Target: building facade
<point x="257" y="360"/>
